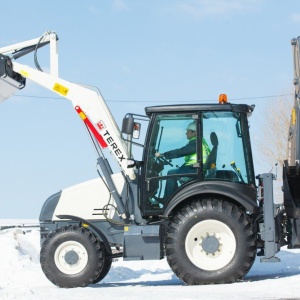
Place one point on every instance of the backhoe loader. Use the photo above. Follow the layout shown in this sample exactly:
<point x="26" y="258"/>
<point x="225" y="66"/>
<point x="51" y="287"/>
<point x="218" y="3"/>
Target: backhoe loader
<point x="209" y="219"/>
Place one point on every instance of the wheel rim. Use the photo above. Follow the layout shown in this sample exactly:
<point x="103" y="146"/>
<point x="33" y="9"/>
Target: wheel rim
<point x="210" y="245"/>
<point x="71" y="257"/>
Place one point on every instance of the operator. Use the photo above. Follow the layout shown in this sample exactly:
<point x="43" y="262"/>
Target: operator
<point x="190" y="157"/>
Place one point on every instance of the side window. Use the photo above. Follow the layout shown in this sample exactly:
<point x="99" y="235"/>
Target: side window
<point x="222" y="131"/>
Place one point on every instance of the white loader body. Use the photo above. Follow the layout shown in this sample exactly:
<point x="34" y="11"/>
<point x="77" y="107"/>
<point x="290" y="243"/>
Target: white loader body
<point x="87" y="199"/>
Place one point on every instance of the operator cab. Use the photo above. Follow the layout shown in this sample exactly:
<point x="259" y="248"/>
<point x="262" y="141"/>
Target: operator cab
<point x="222" y="152"/>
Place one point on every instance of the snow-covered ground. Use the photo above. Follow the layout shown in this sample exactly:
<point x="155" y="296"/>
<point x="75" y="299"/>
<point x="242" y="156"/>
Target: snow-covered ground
<point x="22" y="278"/>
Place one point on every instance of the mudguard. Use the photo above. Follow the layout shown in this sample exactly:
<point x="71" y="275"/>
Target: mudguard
<point x="243" y="194"/>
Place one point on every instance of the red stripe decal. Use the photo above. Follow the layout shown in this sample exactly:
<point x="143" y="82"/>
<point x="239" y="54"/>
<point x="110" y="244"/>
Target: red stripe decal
<point x="92" y="128"/>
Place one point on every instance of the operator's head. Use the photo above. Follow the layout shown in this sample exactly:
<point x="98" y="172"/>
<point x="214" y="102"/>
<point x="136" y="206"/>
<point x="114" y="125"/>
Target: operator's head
<point x="191" y="130"/>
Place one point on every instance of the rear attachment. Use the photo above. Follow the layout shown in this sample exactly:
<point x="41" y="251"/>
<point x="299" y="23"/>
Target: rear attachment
<point x="291" y="190"/>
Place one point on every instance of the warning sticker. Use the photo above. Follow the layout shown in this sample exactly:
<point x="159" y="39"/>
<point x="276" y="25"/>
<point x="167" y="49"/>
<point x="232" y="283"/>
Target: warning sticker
<point x="60" y="89"/>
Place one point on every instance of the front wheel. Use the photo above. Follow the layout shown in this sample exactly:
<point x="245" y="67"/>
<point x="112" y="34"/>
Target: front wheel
<point x="106" y="265"/>
<point x="73" y="256"/>
<point x="210" y="241"/>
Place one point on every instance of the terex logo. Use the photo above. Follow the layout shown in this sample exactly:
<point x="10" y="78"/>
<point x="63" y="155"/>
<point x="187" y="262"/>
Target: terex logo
<point x="100" y="125"/>
<point x="113" y="145"/>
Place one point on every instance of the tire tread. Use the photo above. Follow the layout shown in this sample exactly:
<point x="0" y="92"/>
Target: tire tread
<point x="201" y="206"/>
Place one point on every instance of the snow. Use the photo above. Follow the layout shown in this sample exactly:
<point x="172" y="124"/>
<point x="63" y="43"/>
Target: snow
<point x="21" y="276"/>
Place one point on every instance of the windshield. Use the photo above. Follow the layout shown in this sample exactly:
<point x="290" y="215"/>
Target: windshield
<point x="169" y="132"/>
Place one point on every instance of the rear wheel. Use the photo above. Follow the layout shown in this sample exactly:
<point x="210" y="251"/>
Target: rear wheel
<point x="72" y="256"/>
<point x="210" y="241"/>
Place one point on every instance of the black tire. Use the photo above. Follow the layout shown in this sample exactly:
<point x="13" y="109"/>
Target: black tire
<point x="210" y="241"/>
<point x="105" y="267"/>
<point x="71" y="257"/>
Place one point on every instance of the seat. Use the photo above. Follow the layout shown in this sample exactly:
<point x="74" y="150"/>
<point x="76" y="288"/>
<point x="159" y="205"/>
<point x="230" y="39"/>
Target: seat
<point x="211" y="160"/>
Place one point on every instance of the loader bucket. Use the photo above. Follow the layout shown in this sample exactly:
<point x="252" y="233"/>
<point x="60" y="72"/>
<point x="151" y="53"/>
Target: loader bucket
<point x="8" y="87"/>
<point x="291" y="190"/>
<point x="10" y="81"/>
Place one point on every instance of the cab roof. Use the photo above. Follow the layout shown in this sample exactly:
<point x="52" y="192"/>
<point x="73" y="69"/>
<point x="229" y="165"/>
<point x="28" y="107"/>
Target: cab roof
<point x="244" y="108"/>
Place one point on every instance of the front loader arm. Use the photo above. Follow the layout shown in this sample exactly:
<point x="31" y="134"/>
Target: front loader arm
<point x="88" y="103"/>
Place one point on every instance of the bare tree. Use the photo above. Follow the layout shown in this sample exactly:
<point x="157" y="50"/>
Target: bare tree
<point x="276" y="120"/>
<point x="275" y="115"/>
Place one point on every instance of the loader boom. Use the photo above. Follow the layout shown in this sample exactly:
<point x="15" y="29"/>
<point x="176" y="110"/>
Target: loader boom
<point x="88" y="103"/>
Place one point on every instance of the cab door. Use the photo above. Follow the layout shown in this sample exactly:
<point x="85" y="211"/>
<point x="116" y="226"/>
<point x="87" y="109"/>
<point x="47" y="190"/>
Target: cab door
<point x="169" y="133"/>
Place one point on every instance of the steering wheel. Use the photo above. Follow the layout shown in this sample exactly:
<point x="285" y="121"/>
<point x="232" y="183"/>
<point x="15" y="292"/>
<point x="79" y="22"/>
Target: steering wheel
<point x="164" y="161"/>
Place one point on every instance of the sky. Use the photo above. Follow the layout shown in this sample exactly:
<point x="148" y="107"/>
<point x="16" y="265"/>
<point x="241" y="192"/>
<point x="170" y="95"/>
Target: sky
<point x="138" y="53"/>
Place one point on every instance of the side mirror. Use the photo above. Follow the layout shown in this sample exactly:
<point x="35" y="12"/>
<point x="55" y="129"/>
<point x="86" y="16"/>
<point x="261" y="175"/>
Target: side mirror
<point x="127" y="125"/>
<point x="131" y="127"/>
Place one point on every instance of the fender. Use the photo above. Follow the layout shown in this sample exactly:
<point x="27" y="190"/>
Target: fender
<point x="49" y="207"/>
<point x="241" y="193"/>
<point x="95" y="228"/>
